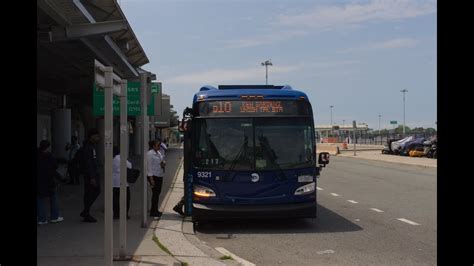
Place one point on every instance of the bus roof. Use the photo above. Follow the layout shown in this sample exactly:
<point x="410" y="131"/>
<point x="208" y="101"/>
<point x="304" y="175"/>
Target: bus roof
<point x="234" y="92"/>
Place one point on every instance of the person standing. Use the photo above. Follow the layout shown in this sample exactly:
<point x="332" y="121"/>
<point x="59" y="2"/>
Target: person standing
<point x="116" y="184"/>
<point x="155" y="174"/>
<point x="73" y="165"/>
<point x="91" y="174"/>
<point x="164" y="148"/>
<point x="46" y="184"/>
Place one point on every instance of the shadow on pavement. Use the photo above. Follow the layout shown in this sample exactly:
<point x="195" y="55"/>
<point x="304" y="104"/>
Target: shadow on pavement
<point x="326" y="222"/>
<point x="74" y="238"/>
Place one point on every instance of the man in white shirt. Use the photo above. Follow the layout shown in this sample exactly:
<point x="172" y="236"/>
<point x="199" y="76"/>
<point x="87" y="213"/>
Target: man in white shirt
<point x="164" y="148"/>
<point x="155" y="173"/>
<point x="116" y="184"/>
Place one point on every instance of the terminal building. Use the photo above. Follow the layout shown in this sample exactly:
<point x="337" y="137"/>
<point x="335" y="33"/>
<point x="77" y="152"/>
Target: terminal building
<point x="338" y="133"/>
<point x="71" y="35"/>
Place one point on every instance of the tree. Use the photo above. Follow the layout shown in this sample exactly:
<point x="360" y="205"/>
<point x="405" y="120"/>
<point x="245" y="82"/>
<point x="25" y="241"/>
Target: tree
<point x="399" y="129"/>
<point x="430" y="131"/>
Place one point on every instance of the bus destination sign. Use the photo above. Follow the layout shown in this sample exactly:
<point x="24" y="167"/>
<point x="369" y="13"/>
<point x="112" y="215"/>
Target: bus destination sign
<point x="249" y="108"/>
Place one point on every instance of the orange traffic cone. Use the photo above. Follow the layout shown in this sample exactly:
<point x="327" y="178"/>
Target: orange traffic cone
<point x="344" y="145"/>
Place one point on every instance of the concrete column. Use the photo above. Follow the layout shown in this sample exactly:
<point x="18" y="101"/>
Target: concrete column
<point x="137" y="138"/>
<point x="61" y="127"/>
<point x="116" y="132"/>
<point x="152" y="128"/>
<point x="100" y="145"/>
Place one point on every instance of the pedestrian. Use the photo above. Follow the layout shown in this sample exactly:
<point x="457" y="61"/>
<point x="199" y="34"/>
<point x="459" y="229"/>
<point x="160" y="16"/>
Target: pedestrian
<point x="155" y="174"/>
<point x="73" y="167"/>
<point x="116" y="184"/>
<point x="91" y="174"/>
<point x="46" y="184"/>
<point x="164" y="147"/>
<point x="179" y="206"/>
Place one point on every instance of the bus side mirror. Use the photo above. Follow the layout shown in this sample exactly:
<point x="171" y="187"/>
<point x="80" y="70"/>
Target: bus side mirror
<point x="323" y="159"/>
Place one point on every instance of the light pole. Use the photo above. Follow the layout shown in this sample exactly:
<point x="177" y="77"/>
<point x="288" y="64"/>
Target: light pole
<point x="380" y="130"/>
<point x="403" y="91"/>
<point x="266" y="64"/>
<point x="379" y="123"/>
<point x="331" y="113"/>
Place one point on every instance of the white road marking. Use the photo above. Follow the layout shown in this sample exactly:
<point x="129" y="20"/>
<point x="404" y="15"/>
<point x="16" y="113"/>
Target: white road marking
<point x="328" y="251"/>
<point x="353" y="201"/>
<point x="235" y="257"/>
<point x="407" y="221"/>
<point x="335" y="195"/>
<point x="357" y="220"/>
<point x="318" y="188"/>
<point x="377" y="210"/>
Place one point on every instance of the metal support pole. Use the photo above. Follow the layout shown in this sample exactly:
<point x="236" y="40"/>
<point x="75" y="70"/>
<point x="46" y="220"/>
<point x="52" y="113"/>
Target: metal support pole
<point x="144" y="119"/>
<point x="380" y="131"/>
<point x="354" y="127"/>
<point x="403" y="91"/>
<point x="123" y="169"/>
<point x="355" y="142"/>
<point x="331" y="115"/>
<point x="108" y="140"/>
<point x="266" y="74"/>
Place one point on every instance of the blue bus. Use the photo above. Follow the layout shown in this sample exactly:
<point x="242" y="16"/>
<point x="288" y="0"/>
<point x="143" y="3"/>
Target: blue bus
<point x="250" y="152"/>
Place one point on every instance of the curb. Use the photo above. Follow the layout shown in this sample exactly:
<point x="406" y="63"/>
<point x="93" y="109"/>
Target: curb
<point x="401" y="163"/>
<point x="187" y="230"/>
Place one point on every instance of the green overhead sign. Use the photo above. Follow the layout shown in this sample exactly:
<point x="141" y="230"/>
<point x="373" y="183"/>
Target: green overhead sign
<point x="133" y="100"/>
<point x="393" y="122"/>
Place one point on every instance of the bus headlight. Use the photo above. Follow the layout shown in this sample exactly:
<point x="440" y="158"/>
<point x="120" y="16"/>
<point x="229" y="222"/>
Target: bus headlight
<point x="202" y="191"/>
<point x="306" y="189"/>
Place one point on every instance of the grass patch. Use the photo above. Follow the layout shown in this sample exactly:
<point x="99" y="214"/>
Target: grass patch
<point x="184" y="264"/>
<point x="161" y="245"/>
<point x="226" y="258"/>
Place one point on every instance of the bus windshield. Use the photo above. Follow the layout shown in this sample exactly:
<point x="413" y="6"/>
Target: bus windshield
<point x="249" y="144"/>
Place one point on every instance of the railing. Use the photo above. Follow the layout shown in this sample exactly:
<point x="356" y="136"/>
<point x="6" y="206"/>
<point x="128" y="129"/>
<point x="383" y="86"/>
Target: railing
<point x="369" y="138"/>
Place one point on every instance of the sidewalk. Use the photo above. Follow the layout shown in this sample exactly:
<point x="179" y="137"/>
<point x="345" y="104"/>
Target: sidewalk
<point x="75" y="243"/>
<point x="177" y="234"/>
<point x="336" y="148"/>
<point x="378" y="156"/>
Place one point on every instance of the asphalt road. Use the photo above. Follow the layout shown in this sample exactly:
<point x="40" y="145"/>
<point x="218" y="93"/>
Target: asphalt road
<point x="369" y="213"/>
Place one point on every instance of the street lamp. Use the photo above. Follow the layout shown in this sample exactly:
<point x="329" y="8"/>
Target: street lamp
<point x="379" y="123"/>
<point x="266" y="64"/>
<point x="403" y="91"/>
<point x="331" y="113"/>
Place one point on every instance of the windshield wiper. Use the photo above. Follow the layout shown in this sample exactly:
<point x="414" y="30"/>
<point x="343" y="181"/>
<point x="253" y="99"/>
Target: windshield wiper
<point x="234" y="161"/>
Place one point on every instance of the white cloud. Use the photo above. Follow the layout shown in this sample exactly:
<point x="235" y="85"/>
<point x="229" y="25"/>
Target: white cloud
<point x="377" y="10"/>
<point x="349" y="16"/>
<point x="264" y="39"/>
<point x="384" y="45"/>
<point x="219" y="76"/>
<point x="395" y="43"/>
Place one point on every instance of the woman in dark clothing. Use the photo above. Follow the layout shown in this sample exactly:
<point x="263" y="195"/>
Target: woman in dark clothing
<point x="46" y="184"/>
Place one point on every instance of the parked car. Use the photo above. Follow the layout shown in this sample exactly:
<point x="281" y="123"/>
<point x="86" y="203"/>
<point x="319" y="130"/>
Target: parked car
<point x="415" y="144"/>
<point x="387" y="149"/>
<point x="397" y="146"/>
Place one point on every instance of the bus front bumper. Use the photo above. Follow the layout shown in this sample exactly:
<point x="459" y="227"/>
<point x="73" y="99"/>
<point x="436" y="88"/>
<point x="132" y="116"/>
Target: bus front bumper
<point x="207" y="212"/>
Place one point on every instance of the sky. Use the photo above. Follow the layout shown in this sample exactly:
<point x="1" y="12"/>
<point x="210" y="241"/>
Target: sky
<point x="354" y="55"/>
